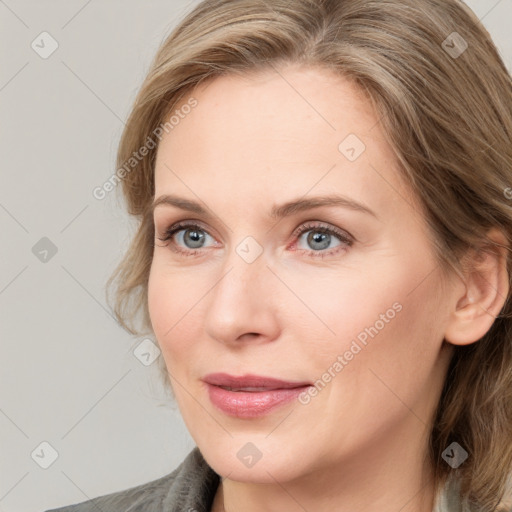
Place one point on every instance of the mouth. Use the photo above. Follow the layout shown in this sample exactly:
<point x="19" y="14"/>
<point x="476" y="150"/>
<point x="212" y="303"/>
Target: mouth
<point x="251" y="396"/>
<point x="251" y="383"/>
<point x="248" y="389"/>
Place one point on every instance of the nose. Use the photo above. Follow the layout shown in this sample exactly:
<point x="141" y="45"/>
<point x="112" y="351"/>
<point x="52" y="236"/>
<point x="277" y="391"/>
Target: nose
<point x="243" y="303"/>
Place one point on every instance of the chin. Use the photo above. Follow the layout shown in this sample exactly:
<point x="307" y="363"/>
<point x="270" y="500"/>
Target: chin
<point x="255" y="461"/>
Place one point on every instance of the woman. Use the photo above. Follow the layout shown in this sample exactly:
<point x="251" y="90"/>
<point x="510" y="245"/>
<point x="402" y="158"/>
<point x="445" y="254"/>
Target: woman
<point x="323" y="189"/>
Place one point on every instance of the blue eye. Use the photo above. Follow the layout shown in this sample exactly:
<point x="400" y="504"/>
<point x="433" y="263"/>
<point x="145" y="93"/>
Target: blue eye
<point x="192" y="234"/>
<point x="320" y="237"/>
<point x="193" y="237"/>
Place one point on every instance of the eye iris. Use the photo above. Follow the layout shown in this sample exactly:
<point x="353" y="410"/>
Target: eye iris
<point x="318" y="237"/>
<point x="195" y="236"/>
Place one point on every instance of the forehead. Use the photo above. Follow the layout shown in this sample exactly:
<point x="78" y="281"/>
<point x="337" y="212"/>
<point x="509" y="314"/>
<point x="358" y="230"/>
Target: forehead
<point x="275" y="130"/>
<point x="295" y="101"/>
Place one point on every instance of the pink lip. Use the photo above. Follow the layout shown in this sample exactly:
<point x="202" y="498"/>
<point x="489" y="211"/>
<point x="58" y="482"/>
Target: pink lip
<point x="250" y="404"/>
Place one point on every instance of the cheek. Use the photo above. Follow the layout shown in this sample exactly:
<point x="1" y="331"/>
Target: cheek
<point x="389" y="337"/>
<point x="165" y="302"/>
<point x="381" y="315"/>
<point x="175" y="307"/>
<point x="159" y="302"/>
<point x="342" y="304"/>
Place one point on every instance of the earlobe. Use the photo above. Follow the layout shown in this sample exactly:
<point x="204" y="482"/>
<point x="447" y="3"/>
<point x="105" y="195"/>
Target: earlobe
<point x="486" y="288"/>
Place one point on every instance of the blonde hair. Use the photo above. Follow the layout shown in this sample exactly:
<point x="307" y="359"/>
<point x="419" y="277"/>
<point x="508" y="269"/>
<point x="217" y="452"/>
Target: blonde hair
<point x="445" y="108"/>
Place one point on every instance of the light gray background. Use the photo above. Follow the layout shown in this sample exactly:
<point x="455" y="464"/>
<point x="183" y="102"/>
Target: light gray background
<point x="68" y="373"/>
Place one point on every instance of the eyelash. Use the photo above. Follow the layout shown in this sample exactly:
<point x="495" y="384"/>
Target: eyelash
<point x="308" y="226"/>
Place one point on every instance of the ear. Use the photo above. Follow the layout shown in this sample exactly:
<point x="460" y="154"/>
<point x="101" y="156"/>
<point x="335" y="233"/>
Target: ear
<point x="486" y="284"/>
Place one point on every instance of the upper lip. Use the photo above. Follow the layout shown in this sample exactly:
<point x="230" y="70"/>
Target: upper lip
<point x="253" y="381"/>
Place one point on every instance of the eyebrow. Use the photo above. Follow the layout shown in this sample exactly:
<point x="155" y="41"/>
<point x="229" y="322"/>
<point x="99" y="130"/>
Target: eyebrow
<point x="277" y="211"/>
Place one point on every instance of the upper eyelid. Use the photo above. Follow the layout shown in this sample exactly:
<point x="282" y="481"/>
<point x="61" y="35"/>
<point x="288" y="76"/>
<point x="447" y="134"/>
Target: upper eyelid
<point x="187" y="224"/>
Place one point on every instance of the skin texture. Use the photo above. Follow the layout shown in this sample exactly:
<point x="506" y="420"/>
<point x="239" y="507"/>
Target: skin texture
<point x="361" y="442"/>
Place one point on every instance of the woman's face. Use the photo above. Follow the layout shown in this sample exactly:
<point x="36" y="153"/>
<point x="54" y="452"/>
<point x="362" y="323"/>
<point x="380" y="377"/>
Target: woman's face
<point x="345" y="295"/>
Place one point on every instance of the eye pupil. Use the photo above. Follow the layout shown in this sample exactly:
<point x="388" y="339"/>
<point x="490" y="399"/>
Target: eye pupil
<point x="196" y="237"/>
<point x="318" y="237"/>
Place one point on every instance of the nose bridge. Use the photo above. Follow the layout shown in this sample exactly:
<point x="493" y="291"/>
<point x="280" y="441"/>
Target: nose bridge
<point x="241" y="301"/>
<point x="244" y="270"/>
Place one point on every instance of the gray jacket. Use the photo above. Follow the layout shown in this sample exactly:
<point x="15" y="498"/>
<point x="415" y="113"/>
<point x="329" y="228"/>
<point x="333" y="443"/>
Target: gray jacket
<point x="191" y="487"/>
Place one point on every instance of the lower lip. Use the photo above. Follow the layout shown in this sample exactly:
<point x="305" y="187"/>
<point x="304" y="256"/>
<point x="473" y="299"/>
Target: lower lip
<point x="247" y="404"/>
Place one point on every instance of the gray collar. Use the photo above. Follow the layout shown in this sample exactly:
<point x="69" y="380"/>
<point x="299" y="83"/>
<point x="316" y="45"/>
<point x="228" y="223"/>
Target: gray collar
<point x="193" y="486"/>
